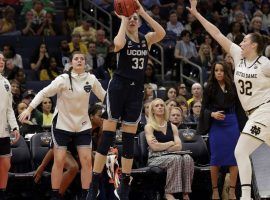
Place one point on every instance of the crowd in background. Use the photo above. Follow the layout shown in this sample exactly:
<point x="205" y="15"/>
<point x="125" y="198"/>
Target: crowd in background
<point x="185" y="40"/>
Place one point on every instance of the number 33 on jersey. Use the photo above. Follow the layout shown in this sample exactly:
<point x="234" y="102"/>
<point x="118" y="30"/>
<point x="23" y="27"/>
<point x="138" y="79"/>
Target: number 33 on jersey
<point x="132" y="59"/>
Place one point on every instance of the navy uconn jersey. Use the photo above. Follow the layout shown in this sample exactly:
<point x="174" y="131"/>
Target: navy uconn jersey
<point x="132" y="59"/>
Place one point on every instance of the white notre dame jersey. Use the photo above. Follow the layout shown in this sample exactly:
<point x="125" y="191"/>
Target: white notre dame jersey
<point x="72" y="102"/>
<point x="252" y="79"/>
<point x="7" y="119"/>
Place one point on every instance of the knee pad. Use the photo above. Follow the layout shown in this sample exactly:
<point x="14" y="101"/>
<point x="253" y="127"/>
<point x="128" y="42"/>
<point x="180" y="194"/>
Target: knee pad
<point x="106" y="142"/>
<point x="128" y="145"/>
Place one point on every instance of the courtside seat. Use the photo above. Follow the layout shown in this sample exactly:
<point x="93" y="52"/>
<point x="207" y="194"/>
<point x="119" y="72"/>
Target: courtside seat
<point x="39" y="146"/>
<point x="148" y="182"/>
<point x="20" y="160"/>
<point x="191" y="141"/>
<point x="21" y="173"/>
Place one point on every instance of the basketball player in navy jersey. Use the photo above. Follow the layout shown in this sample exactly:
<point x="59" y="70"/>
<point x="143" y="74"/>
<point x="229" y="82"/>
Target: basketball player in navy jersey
<point x="125" y="95"/>
<point x="252" y="80"/>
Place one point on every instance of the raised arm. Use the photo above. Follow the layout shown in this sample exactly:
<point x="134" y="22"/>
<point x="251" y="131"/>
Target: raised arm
<point x="158" y="33"/>
<point x="120" y="38"/>
<point x="210" y="28"/>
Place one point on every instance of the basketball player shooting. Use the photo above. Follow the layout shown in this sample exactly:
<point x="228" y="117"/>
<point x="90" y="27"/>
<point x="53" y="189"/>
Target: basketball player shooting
<point x="252" y="80"/>
<point x="125" y="91"/>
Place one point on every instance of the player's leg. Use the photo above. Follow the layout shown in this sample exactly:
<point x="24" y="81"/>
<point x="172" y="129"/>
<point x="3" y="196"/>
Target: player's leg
<point x="130" y="120"/>
<point x="245" y="146"/>
<point x="83" y="142"/>
<point x="5" y="153"/>
<point x="114" y="106"/>
<point x="60" y="140"/>
<point x="72" y="168"/>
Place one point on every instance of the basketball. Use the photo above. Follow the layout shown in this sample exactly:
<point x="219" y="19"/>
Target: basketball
<point x="125" y="7"/>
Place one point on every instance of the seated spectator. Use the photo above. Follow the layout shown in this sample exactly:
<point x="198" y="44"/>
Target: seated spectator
<point x="182" y="91"/>
<point x="190" y="21"/>
<point x="181" y="13"/>
<point x="205" y="60"/>
<point x="16" y="93"/>
<point x="145" y="112"/>
<point x="40" y="58"/>
<point x="102" y="43"/>
<point x="71" y="167"/>
<point x="182" y="102"/>
<point x="69" y="22"/>
<point x="176" y="117"/>
<point x="196" y="91"/>
<point x="9" y="52"/>
<point x="174" y="25"/>
<point x="21" y="78"/>
<point x="255" y="26"/>
<point x="163" y="137"/>
<point x="51" y="72"/>
<point x="235" y="29"/>
<point x="86" y="31"/>
<point x="36" y="116"/>
<point x="27" y="29"/>
<point x="48" y="27"/>
<point x="194" y="111"/>
<point x="149" y="94"/>
<point x="185" y="49"/>
<point x="171" y="103"/>
<point x="25" y="126"/>
<point x="7" y="23"/>
<point x="62" y="54"/>
<point x="93" y="59"/>
<point x="154" y="12"/>
<point x="47" y="112"/>
<point x="10" y="70"/>
<point x="171" y="93"/>
<point x="39" y="15"/>
<point x="46" y="4"/>
<point x="76" y="44"/>
<point x="149" y="75"/>
<point x="265" y="8"/>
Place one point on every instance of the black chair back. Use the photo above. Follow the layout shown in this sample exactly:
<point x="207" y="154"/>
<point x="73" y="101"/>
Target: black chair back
<point x="39" y="146"/>
<point x="20" y="160"/>
<point x="195" y="143"/>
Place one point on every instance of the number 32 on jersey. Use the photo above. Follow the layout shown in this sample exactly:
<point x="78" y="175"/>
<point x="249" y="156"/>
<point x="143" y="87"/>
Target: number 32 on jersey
<point x="245" y="87"/>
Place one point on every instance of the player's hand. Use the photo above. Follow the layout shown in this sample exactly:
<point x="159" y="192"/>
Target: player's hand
<point x="140" y="9"/>
<point x="122" y="17"/>
<point x="193" y="7"/>
<point x="16" y="134"/>
<point x="218" y="115"/>
<point x="25" y="115"/>
<point x="38" y="174"/>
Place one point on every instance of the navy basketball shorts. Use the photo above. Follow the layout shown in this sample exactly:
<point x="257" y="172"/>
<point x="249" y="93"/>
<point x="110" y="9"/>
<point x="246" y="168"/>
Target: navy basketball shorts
<point x="124" y="100"/>
<point x="5" y="150"/>
<point x="62" y="138"/>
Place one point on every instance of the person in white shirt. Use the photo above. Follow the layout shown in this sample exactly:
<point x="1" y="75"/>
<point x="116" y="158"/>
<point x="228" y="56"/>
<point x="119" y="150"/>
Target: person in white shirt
<point x="70" y="120"/>
<point x="252" y="80"/>
<point x="7" y="122"/>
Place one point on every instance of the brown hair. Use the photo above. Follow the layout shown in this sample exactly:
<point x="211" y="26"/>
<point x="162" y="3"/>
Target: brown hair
<point x="260" y="40"/>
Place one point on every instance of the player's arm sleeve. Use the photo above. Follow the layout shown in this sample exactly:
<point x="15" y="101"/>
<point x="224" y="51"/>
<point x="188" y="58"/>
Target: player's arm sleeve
<point x="235" y="52"/>
<point x="98" y="90"/>
<point x="10" y="114"/>
<point x="266" y="68"/>
<point x="51" y="90"/>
